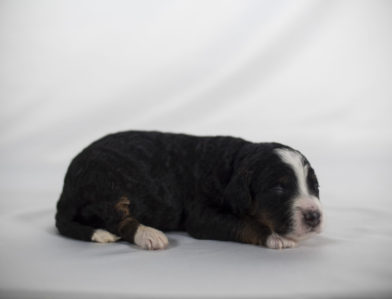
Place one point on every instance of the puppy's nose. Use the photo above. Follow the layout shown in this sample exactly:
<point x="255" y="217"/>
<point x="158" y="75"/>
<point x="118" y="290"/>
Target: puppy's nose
<point x="312" y="218"/>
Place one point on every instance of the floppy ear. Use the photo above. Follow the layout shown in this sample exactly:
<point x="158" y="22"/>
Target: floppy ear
<point x="237" y="193"/>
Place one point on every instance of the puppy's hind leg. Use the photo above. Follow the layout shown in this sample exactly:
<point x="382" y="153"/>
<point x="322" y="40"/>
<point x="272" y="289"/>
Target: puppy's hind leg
<point x="103" y="236"/>
<point x="132" y="231"/>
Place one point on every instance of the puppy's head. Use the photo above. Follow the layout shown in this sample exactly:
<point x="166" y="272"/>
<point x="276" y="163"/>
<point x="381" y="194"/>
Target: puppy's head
<point x="282" y="191"/>
<point x="297" y="185"/>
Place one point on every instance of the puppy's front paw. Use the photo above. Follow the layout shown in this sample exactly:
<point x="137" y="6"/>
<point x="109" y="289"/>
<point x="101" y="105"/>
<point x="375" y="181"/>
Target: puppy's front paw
<point x="275" y="241"/>
<point x="150" y="238"/>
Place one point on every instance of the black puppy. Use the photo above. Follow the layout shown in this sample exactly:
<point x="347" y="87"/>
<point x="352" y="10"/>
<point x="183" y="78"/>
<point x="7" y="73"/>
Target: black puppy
<point x="128" y="185"/>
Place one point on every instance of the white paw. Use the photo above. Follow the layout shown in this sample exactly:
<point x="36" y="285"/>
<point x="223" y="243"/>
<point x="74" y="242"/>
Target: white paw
<point x="150" y="238"/>
<point x="103" y="236"/>
<point x="275" y="241"/>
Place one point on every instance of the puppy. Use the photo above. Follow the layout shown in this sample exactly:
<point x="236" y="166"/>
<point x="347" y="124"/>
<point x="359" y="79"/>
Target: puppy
<point x="134" y="185"/>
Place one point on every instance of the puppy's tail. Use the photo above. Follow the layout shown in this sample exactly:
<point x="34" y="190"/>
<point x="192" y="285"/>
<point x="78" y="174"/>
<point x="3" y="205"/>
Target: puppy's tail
<point x="66" y="223"/>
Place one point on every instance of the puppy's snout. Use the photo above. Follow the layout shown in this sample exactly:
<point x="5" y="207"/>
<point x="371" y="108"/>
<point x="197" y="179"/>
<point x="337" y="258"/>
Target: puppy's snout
<point x="312" y="218"/>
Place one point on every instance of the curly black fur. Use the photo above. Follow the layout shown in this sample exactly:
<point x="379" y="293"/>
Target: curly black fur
<point x="221" y="188"/>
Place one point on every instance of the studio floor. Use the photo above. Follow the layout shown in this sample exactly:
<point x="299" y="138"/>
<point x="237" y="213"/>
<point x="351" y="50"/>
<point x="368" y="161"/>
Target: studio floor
<point x="350" y="259"/>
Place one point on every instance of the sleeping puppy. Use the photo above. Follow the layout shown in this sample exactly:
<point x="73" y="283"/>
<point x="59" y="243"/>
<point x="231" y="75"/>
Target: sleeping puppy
<point x="134" y="185"/>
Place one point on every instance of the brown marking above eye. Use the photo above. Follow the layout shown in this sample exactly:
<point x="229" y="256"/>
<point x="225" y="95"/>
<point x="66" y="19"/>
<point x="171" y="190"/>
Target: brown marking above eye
<point x="283" y="180"/>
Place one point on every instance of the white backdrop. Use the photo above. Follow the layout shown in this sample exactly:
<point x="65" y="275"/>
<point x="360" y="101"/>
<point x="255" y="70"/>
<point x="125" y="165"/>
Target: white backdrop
<point x="316" y="75"/>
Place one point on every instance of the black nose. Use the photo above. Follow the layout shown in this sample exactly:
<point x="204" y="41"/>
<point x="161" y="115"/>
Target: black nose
<point x="312" y="218"/>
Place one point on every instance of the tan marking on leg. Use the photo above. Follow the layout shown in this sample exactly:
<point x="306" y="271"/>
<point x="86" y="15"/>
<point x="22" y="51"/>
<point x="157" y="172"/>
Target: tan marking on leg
<point x="126" y="222"/>
<point x="248" y="234"/>
<point x="127" y="228"/>
<point x="265" y="219"/>
<point x="122" y="206"/>
<point x="127" y="225"/>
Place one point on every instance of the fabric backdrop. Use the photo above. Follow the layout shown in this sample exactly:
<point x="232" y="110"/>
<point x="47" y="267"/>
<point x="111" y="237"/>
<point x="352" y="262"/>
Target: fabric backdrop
<point x="316" y="75"/>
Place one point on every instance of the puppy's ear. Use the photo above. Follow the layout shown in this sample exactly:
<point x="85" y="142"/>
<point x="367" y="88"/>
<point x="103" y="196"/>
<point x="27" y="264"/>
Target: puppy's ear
<point x="237" y="193"/>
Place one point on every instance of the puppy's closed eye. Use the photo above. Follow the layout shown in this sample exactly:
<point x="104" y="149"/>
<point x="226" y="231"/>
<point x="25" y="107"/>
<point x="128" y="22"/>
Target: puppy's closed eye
<point x="278" y="189"/>
<point x="281" y="185"/>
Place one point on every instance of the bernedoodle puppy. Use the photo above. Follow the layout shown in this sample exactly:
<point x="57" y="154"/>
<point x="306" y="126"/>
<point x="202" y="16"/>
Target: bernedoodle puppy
<point x="134" y="185"/>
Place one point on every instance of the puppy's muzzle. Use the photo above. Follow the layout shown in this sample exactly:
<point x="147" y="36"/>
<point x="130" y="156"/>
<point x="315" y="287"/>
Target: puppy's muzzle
<point x="312" y="218"/>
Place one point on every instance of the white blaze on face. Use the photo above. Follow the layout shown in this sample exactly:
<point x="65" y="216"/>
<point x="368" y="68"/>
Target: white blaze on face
<point x="303" y="201"/>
